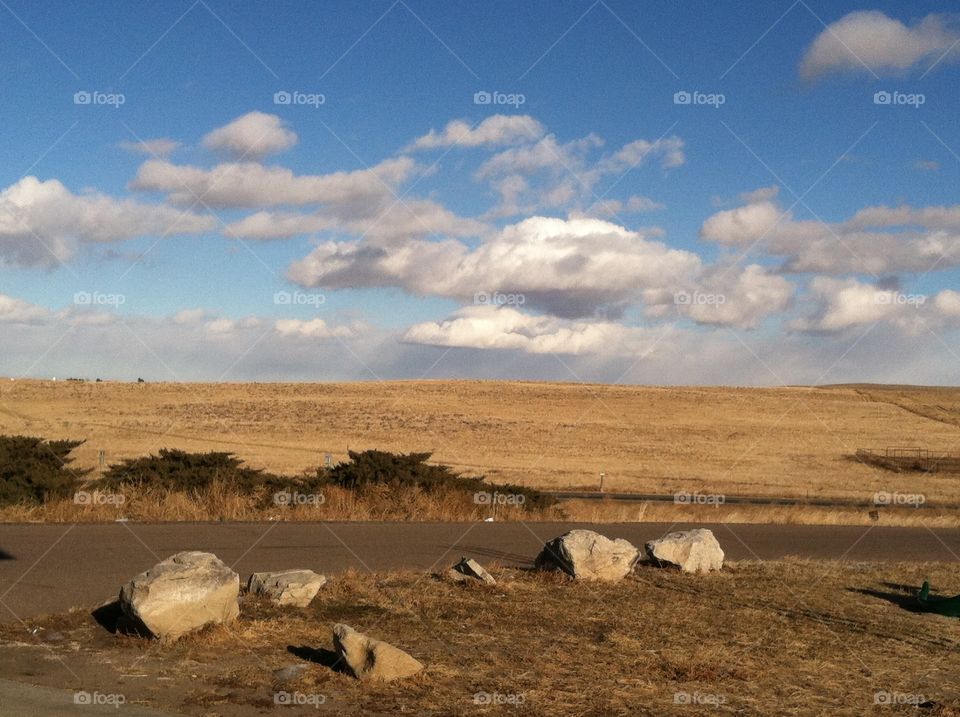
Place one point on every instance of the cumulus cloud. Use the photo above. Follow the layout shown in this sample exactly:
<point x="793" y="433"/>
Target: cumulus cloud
<point x="548" y="174"/>
<point x="842" y="304"/>
<point x="495" y="131"/>
<point x="20" y="311"/>
<point x="160" y="147"/>
<point x="490" y="327"/>
<point x="876" y="240"/>
<point x="254" y="135"/>
<point x="253" y="185"/>
<point x="725" y="296"/>
<point x="397" y="220"/>
<point x="870" y="41"/>
<point x="571" y="267"/>
<point x="41" y="222"/>
<point x="314" y="329"/>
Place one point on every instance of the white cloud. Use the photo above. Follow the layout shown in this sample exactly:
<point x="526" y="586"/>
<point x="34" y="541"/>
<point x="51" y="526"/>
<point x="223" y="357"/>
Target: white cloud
<point x="159" y="147"/>
<point x="925" y="238"/>
<point x="548" y="174"/>
<point x="189" y="316"/>
<point x="842" y="304"/>
<point x="725" y="296"/>
<point x="41" y="222"/>
<point x="254" y="135"/>
<point x="869" y="39"/>
<point x="489" y="327"/>
<point x="20" y="311"/>
<point x="570" y="267"/>
<point x="398" y="220"/>
<point x="250" y="184"/>
<point x="495" y="131"/>
<point x="314" y="329"/>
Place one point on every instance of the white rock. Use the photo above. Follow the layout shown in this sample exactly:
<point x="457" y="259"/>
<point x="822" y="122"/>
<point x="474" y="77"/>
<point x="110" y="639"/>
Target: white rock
<point x="180" y="594"/>
<point x="287" y="587"/>
<point x="470" y="569"/>
<point x="370" y="659"/>
<point x="693" y="551"/>
<point x="586" y="555"/>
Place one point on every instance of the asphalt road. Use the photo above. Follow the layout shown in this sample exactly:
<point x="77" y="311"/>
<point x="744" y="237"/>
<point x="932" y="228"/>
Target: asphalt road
<point x="50" y="568"/>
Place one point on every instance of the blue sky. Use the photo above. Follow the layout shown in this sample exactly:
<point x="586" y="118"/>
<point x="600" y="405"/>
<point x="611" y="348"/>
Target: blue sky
<point x="786" y="225"/>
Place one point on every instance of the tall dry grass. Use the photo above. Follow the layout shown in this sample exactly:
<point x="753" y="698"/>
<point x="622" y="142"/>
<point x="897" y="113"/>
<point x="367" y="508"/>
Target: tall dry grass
<point x="220" y="503"/>
<point x="408" y="504"/>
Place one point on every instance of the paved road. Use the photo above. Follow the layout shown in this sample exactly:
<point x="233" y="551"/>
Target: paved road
<point x="50" y="568"/>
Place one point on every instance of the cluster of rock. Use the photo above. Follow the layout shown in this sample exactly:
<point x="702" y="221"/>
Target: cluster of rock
<point x="191" y="590"/>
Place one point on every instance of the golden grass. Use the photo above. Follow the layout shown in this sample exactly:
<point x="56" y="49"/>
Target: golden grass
<point x="412" y="504"/>
<point x="787" y="638"/>
<point x="783" y="442"/>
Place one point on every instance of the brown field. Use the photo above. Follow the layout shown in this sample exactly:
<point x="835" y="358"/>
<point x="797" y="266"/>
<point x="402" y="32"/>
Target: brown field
<point x="782" y="442"/>
<point x="785" y="638"/>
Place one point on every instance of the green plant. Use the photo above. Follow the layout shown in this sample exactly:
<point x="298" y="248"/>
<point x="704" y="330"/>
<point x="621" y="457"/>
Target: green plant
<point x="371" y="468"/>
<point x="33" y="470"/>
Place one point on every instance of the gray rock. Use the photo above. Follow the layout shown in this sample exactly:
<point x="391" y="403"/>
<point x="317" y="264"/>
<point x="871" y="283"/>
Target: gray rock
<point x="287" y="587"/>
<point x="469" y="569"/>
<point x="289" y="673"/>
<point x="693" y="551"/>
<point x="369" y="659"/>
<point x="586" y="555"/>
<point x="181" y="594"/>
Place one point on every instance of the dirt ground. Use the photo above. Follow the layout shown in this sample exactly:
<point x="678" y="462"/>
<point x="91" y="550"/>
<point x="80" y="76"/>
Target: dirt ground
<point x="793" y="637"/>
<point x="783" y="442"/>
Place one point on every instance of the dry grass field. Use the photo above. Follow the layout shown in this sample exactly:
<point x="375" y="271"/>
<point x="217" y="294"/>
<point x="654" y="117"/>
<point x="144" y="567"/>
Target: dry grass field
<point x="782" y="442"/>
<point x="785" y="638"/>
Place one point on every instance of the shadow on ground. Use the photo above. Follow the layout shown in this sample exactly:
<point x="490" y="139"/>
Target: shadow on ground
<point x="903" y="596"/>
<point x="319" y="656"/>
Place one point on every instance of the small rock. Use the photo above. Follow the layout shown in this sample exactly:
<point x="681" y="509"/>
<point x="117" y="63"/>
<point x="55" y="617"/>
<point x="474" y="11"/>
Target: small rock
<point x="287" y="587"/>
<point x="469" y="569"/>
<point x="586" y="555"/>
<point x="369" y="659"/>
<point x="289" y="673"/>
<point x="693" y="551"/>
<point x="183" y="593"/>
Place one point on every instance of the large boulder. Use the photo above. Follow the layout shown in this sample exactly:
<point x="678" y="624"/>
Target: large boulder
<point x="693" y="551"/>
<point x="369" y="659"/>
<point x="586" y="555"/>
<point x="287" y="587"/>
<point x="183" y="593"/>
<point x="469" y="570"/>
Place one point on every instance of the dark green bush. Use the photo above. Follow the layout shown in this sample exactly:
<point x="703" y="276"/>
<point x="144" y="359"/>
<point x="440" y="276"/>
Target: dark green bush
<point x="33" y="470"/>
<point x="367" y="468"/>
